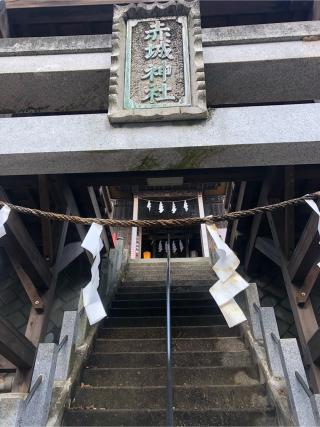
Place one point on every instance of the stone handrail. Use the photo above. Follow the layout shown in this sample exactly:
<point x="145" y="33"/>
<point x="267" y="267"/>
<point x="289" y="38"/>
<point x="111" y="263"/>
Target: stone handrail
<point x="284" y="360"/>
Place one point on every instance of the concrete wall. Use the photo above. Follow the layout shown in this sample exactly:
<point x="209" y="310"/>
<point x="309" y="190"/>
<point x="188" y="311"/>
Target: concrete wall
<point x="243" y="65"/>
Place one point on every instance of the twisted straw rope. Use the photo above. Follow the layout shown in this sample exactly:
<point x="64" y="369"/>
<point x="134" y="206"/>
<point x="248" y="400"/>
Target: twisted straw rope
<point x="180" y="222"/>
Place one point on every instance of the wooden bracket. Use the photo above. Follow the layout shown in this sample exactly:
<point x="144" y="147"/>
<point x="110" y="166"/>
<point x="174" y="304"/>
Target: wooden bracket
<point x="26" y="282"/>
<point x="304" y="292"/>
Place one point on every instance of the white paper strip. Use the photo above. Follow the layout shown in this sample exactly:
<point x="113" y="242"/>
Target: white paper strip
<point x="4" y="215"/>
<point x="230" y="282"/>
<point x="232" y="313"/>
<point x="91" y="299"/>
<point x="223" y="292"/>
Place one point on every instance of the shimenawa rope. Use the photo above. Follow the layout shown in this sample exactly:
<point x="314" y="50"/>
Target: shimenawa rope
<point x="179" y="222"/>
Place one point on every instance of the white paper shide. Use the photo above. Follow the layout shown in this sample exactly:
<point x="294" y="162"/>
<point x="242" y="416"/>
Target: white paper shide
<point x="4" y="215"/>
<point x="230" y="282"/>
<point x="91" y="299"/>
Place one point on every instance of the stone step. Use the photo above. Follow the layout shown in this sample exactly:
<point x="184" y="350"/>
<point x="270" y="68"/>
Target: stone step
<point x="136" y="377"/>
<point x="185" y="397"/>
<point x="156" y="276"/>
<point x="161" y="303"/>
<point x="182" y="291"/>
<point x="175" y="282"/>
<point x="158" y="359"/>
<point x="212" y="309"/>
<point x="177" y="332"/>
<point x="161" y="321"/>
<point x="159" y="345"/>
<point x="160" y="295"/>
<point x="210" y="417"/>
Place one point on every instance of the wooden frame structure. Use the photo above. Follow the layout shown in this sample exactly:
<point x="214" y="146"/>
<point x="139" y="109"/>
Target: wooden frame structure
<point x="297" y="261"/>
<point x="38" y="272"/>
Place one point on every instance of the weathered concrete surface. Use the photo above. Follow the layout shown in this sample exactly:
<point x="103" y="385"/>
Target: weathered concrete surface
<point x="246" y="136"/>
<point x="243" y="65"/>
<point x="243" y="34"/>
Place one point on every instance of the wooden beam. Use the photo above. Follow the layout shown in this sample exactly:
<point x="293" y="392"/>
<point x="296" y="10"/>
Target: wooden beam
<point x="266" y="247"/>
<point x="314" y="346"/>
<point x="37" y="323"/>
<point x="25" y="241"/>
<point x="106" y="197"/>
<point x="160" y="194"/>
<point x="71" y="201"/>
<point x="107" y="240"/>
<point x="265" y="189"/>
<point x="308" y="235"/>
<point x="316" y="10"/>
<point x="289" y="212"/>
<point x="14" y="346"/>
<point x="304" y="317"/>
<point x="5" y="365"/>
<point x="311" y="279"/>
<point x="234" y="226"/>
<point x="47" y="248"/>
<point x="34" y="297"/>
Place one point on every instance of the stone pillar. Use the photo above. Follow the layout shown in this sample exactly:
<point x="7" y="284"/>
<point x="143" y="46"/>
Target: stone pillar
<point x="203" y="231"/>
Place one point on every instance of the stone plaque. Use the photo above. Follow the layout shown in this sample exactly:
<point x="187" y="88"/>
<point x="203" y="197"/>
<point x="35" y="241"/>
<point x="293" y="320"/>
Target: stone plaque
<point x="157" y="68"/>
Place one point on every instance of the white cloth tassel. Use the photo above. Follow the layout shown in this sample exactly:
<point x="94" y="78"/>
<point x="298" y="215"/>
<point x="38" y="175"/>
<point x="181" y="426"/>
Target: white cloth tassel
<point x="174" y="247"/>
<point x="230" y="283"/>
<point x="161" y="208"/>
<point x="186" y="206"/>
<point x="149" y="206"/>
<point x="91" y="299"/>
<point x="174" y="208"/>
<point x="4" y="215"/>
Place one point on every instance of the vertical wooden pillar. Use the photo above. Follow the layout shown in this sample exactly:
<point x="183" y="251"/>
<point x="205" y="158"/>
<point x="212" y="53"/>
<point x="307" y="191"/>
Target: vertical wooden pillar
<point x="134" y="232"/>
<point x="203" y="232"/>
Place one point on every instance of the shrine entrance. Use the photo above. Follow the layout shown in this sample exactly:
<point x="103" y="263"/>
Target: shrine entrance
<point x="185" y="242"/>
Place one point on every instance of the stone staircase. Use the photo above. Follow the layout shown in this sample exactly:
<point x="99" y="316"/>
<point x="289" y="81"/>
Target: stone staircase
<point x="124" y="380"/>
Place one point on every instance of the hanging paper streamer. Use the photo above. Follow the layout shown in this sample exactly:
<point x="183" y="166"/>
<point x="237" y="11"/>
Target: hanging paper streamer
<point x="149" y="205"/>
<point x="4" y="215"/>
<point x="185" y="206"/>
<point x="160" y="248"/>
<point x="174" y="208"/>
<point x="161" y="208"/>
<point x="230" y="283"/>
<point x="181" y="246"/>
<point x="314" y="206"/>
<point x="166" y="247"/>
<point x="91" y="299"/>
<point x="174" y="247"/>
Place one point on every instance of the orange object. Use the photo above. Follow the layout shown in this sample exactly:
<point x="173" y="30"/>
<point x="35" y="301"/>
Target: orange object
<point x="146" y="255"/>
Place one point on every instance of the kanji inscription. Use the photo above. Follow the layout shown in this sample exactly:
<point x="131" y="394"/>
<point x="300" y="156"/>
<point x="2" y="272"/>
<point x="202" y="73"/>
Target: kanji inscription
<point x="157" y="63"/>
<point x="157" y="70"/>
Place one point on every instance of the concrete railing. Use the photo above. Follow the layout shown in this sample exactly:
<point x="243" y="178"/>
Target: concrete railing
<point x="283" y="359"/>
<point x="56" y="366"/>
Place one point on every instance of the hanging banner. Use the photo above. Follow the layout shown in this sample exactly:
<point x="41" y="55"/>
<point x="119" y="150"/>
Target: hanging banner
<point x="91" y="298"/>
<point x="230" y="282"/>
<point x="4" y="215"/>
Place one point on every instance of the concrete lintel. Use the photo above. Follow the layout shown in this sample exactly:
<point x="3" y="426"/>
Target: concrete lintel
<point x="242" y="34"/>
<point x="230" y="137"/>
<point x="68" y="74"/>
